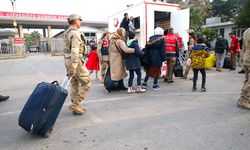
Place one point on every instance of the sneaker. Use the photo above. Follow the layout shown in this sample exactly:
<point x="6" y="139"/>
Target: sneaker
<point x="144" y="85"/>
<point x="156" y="87"/>
<point x="194" y="89"/>
<point x="139" y="89"/>
<point x="203" y="89"/>
<point x="131" y="90"/>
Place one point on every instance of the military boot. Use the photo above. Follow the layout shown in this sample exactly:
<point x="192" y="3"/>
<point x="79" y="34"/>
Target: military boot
<point x="77" y="109"/>
<point x="243" y="103"/>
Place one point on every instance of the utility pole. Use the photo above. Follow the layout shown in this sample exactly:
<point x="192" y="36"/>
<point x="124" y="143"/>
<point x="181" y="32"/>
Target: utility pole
<point x="13" y="3"/>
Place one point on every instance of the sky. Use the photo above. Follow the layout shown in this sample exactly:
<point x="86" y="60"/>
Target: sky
<point x="91" y="10"/>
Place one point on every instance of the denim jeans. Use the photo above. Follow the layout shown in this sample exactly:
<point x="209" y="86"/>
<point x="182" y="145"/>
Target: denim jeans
<point x="155" y="80"/>
<point x="220" y="57"/>
<point x="131" y="77"/>
<point x="203" y="72"/>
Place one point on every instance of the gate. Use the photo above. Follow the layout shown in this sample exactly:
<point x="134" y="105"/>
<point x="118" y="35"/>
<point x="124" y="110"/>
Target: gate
<point x="57" y="46"/>
<point x="8" y="50"/>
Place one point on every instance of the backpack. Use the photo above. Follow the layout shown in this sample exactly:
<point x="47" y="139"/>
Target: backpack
<point x="220" y="46"/>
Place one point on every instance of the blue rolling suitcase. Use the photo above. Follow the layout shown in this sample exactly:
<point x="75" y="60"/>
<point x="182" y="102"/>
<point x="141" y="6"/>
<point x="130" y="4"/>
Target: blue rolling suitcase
<point x="42" y="108"/>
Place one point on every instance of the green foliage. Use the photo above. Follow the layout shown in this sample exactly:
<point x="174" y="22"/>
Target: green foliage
<point x="34" y="39"/>
<point x="226" y="9"/>
<point x="209" y="33"/>
<point x="243" y="19"/>
<point x="204" y="6"/>
<point x="35" y="36"/>
<point x="195" y="18"/>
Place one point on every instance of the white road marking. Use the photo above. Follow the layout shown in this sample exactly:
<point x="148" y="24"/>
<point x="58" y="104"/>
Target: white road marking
<point x="125" y="98"/>
<point x="177" y="126"/>
<point x="94" y="117"/>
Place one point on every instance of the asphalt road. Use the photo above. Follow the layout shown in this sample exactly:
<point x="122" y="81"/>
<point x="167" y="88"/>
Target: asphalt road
<point x="173" y="118"/>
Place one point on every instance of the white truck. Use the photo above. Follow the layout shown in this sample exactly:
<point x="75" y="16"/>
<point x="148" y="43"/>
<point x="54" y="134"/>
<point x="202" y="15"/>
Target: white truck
<point x="150" y="14"/>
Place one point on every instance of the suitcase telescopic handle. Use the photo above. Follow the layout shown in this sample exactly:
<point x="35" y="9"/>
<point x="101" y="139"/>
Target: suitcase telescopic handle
<point x="65" y="82"/>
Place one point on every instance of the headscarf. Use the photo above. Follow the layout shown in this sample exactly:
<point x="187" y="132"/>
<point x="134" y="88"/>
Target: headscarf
<point x="159" y="31"/>
<point x="120" y="34"/>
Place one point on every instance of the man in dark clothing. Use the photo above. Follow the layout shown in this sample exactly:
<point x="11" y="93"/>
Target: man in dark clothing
<point x="125" y="24"/>
<point x="206" y="42"/>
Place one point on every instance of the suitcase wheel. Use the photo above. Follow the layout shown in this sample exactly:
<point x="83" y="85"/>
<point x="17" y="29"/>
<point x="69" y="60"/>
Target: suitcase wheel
<point x="46" y="135"/>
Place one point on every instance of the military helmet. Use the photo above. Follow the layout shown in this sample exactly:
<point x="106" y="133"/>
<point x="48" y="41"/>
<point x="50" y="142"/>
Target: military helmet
<point x="74" y="17"/>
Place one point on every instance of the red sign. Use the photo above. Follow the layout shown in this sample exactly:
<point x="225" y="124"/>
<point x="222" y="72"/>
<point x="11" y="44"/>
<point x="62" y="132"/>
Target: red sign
<point x="18" y="40"/>
<point x="33" y="16"/>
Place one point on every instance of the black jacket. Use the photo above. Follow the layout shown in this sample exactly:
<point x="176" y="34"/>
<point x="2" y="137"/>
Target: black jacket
<point x="125" y="24"/>
<point x="155" y="51"/>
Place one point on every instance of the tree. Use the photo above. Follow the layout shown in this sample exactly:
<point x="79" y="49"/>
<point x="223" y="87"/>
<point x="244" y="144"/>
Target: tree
<point x="243" y="19"/>
<point x="209" y="33"/>
<point x="195" y="18"/>
<point x="226" y="9"/>
<point x="204" y="6"/>
<point x="34" y="39"/>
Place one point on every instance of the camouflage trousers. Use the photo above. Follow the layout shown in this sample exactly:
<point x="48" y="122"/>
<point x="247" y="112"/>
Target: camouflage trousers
<point x="104" y="67"/>
<point x="80" y="82"/>
<point x="245" y="92"/>
<point x="170" y="67"/>
<point x="233" y="59"/>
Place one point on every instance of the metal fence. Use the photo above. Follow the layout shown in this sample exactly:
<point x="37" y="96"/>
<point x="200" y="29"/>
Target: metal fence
<point x="56" y="46"/>
<point x="8" y="50"/>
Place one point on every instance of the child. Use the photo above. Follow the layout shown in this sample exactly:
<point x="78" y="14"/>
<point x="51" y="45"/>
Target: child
<point x="93" y="61"/>
<point x="198" y="60"/>
<point x="133" y="64"/>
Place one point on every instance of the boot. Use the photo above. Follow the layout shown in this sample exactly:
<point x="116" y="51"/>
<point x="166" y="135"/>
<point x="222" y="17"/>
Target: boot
<point x="3" y="98"/>
<point x="131" y="90"/>
<point x="140" y="89"/>
<point x="243" y="103"/>
<point x="77" y="109"/>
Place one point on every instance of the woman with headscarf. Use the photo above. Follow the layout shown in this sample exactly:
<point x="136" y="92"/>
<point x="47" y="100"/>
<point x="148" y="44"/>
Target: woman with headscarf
<point x="117" y="51"/>
<point x="154" y="56"/>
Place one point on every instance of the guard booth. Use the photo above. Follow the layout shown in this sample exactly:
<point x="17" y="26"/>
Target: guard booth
<point x="150" y="14"/>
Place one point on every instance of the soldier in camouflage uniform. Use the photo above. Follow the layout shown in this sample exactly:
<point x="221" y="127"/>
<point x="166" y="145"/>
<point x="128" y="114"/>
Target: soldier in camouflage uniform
<point x="244" y="101"/>
<point x="104" y="53"/>
<point x="74" y="47"/>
